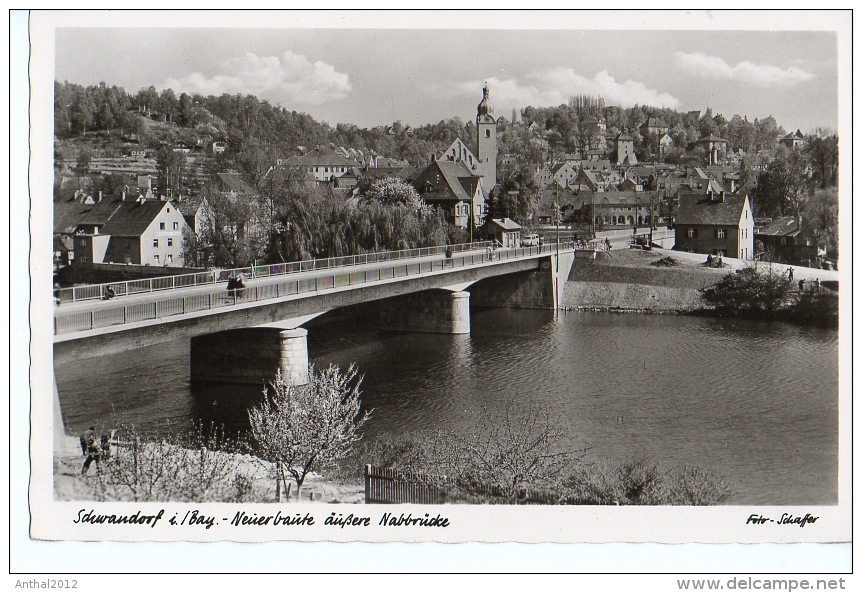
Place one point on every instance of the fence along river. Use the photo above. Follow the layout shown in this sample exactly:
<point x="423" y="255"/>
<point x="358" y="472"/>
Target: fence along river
<point x="756" y="402"/>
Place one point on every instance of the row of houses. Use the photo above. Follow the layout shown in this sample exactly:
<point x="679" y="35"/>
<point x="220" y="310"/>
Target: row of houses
<point x="122" y="230"/>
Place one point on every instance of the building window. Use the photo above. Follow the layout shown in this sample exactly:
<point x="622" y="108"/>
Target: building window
<point x="170" y="242"/>
<point x="161" y="226"/>
<point x="170" y="259"/>
<point x="155" y="242"/>
<point x="156" y="259"/>
<point x="84" y="259"/>
<point x="176" y="226"/>
<point x="720" y="233"/>
<point x="691" y="233"/>
<point x="784" y="240"/>
<point x="487" y="133"/>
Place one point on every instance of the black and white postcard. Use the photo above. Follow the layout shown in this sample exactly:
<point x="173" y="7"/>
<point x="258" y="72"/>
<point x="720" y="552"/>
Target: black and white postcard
<point x="536" y="277"/>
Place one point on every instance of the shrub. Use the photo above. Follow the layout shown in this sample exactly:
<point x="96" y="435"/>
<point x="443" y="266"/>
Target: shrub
<point x="750" y="291"/>
<point x="197" y="467"/>
<point x="639" y="481"/>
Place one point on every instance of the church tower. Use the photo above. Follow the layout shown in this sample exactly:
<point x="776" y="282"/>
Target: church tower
<point x="486" y="150"/>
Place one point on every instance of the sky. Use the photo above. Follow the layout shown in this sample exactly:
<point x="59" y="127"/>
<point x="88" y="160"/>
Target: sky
<point x="372" y="75"/>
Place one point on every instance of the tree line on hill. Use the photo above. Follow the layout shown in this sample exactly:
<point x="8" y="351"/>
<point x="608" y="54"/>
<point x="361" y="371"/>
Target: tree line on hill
<point x="258" y="133"/>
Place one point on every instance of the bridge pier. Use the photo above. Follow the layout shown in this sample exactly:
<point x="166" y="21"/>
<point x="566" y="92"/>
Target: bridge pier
<point x="430" y="311"/>
<point x="532" y="289"/>
<point x="251" y="355"/>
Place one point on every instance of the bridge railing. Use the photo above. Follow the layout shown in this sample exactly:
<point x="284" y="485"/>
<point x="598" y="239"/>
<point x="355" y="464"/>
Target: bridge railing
<point x="130" y="287"/>
<point x="117" y="313"/>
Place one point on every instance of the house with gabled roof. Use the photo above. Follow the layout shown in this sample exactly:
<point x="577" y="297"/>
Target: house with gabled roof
<point x="793" y="140"/>
<point x="790" y="240"/>
<point x="564" y="174"/>
<point x="545" y="175"/>
<point x="665" y="144"/>
<point x="194" y="210"/>
<point x="322" y="164"/>
<point x="593" y="126"/>
<point x="504" y="232"/>
<point x="453" y="187"/>
<point x="655" y="126"/>
<point x="144" y="232"/>
<point x="715" y="223"/>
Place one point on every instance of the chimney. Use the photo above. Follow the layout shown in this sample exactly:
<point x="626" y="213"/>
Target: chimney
<point x="433" y="157"/>
<point x="100" y="196"/>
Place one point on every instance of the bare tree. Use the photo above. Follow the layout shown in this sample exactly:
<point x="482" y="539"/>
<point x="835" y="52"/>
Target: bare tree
<point x="305" y="428"/>
<point x="517" y="449"/>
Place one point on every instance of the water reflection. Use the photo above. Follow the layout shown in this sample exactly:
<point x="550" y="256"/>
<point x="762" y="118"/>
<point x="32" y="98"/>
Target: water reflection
<point x="757" y="402"/>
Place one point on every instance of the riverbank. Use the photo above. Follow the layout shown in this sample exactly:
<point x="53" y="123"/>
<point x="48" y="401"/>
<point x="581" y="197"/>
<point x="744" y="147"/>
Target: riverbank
<point x="259" y="485"/>
<point x="626" y="280"/>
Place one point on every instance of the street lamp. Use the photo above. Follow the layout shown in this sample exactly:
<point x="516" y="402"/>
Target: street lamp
<point x="557" y="275"/>
<point x="271" y="207"/>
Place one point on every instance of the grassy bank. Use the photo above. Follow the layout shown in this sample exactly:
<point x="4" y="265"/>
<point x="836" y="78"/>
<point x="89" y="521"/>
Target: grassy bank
<point x="630" y="280"/>
<point x="627" y="279"/>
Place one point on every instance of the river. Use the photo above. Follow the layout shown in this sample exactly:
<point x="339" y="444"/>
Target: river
<point x="755" y="402"/>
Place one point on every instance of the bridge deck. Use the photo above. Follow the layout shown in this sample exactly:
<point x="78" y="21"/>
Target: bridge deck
<point x="81" y="318"/>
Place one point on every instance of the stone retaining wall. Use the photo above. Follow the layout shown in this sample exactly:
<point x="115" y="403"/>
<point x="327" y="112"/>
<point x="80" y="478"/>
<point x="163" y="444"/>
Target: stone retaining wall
<point x="630" y="296"/>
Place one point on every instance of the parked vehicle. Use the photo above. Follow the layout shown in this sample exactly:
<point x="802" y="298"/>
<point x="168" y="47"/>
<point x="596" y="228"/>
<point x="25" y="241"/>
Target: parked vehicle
<point x="531" y="240"/>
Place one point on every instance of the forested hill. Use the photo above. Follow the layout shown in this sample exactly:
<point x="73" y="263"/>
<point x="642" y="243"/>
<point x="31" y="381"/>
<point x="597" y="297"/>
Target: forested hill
<point x="258" y="133"/>
<point x="249" y="123"/>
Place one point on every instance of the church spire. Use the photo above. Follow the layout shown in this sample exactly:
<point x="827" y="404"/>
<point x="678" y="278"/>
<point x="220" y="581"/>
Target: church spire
<point x="485" y="107"/>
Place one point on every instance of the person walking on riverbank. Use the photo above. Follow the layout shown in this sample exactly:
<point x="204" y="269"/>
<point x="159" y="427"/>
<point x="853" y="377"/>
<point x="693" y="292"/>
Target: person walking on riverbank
<point x="790" y="274"/>
<point x="91" y="449"/>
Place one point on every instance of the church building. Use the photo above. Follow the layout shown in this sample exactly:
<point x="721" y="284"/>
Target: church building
<point x="459" y="180"/>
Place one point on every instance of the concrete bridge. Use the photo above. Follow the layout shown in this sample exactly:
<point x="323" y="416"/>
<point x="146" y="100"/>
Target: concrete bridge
<point x="245" y="335"/>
